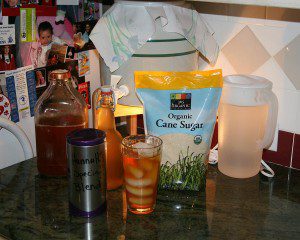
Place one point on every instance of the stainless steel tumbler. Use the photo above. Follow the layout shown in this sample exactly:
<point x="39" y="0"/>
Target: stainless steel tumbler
<point x="86" y="172"/>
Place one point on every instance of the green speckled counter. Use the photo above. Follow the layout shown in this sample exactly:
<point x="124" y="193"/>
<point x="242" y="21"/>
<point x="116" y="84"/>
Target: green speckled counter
<point x="32" y="207"/>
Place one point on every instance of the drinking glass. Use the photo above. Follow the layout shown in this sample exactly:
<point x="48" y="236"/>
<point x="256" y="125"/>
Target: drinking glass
<point x="141" y="161"/>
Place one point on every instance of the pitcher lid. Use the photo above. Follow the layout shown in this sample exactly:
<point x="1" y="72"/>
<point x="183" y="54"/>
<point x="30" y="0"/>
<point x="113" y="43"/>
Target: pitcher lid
<point x="247" y="81"/>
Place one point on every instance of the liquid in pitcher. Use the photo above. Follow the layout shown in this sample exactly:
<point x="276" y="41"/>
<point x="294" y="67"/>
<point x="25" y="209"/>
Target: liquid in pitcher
<point x="241" y="130"/>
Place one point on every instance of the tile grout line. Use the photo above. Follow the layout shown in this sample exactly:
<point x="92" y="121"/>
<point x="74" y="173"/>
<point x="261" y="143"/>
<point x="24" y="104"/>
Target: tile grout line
<point x="292" y="153"/>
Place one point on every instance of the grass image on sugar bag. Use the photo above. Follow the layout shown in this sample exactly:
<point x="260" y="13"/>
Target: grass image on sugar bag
<point x="188" y="173"/>
<point x="184" y="162"/>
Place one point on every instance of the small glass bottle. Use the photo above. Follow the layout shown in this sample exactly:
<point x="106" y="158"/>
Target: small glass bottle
<point x="104" y="119"/>
<point x="60" y="110"/>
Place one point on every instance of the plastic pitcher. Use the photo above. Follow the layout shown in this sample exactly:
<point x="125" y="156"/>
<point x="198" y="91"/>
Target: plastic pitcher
<point x="247" y="122"/>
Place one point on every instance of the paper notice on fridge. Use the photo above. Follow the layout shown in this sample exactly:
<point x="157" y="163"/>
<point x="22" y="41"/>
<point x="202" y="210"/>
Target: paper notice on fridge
<point x="20" y="85"/>
<point x="7" y="34"/>
<point x="27" y="25"/>
<point x="84" y="63"/>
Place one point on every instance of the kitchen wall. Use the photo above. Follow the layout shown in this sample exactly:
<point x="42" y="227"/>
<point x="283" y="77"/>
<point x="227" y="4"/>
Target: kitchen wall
<point x="263" y="41"/>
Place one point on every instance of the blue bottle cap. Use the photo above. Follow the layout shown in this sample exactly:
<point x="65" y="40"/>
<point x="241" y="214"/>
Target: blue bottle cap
<point x="86" y="137"/>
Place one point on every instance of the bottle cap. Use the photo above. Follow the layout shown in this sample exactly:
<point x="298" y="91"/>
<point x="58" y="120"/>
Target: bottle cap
<point x="86" y="137"/>
<point x="106" y="88"/>
<point x="60" y="74"/>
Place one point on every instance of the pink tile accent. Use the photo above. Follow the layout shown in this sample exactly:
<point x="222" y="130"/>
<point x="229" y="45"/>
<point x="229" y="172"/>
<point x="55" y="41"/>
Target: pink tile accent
<point x="288" y="59"/>
<point x="214" y="140"/>
<point x="284" y="150"/>
<point x="296" y="152"/>
<point x="245" y="52"/>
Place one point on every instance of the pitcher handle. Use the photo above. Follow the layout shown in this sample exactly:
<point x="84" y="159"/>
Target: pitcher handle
<point x="272" y="118"/>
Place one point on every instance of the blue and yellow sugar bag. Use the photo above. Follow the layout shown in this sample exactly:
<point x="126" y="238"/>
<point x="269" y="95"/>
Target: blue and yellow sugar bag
<point x="181" y="109"/>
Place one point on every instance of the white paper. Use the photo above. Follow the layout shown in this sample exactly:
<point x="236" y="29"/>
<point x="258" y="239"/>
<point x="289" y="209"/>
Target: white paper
<point x="67" y="2"/>
<point x="28" y="24"/>
<point x="19" y="94"/>
<point x="7" y="34"/>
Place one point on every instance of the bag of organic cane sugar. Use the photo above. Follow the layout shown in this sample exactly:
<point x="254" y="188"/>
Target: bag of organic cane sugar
<point x="181" y="109"/>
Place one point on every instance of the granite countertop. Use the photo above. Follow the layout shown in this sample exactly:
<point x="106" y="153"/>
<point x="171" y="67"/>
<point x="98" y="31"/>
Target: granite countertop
<point x="32" y="207"/>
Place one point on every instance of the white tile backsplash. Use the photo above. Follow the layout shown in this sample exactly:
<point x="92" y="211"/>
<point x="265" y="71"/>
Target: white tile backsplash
<point x="289" y="104"/>
<point x="224" y="31"/>
<point x="274" y="36"/>
<point x="272" y="71"/>
<point x="283" y="24"/>
<point x="289" y="60"/>
<point x="222" y="63"/>
<point x="211" y="17"/>
<point x="245" y="52"/>
<point x="247" y="21"/>
<point x="297" y="129"/>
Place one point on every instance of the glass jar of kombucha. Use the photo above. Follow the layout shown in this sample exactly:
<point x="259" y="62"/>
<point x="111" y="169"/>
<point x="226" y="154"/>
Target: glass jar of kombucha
<point x="104" y="119"/>
<point x="60" y="110"/>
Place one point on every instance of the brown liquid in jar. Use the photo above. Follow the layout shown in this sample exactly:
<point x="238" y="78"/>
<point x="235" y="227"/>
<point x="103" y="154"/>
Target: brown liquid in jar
<point x="51" y="143"/>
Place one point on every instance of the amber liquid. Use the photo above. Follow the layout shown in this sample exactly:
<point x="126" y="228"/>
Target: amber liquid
<point x="141" y="178"/>
<point x="114" y="168"/>
<point x="51" y="143"/>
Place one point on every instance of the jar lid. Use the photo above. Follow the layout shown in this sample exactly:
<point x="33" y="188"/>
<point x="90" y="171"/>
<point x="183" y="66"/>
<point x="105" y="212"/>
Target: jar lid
<point x="106" y="89"/>
<point x="86" y="137"/>
<point x="60" y="74"/>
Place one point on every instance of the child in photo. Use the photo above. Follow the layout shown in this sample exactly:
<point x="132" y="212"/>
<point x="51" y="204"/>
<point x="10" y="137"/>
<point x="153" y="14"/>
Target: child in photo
<point x="74" y="74"/>
<point x="7" y="59"/>
<point x="89" y="11"/>
<point x="70" y="53"/>
<point x="40" y="79"/>
<point x="46" y="40"/>
<point x="81" y="38"/>
<point x="12" y="3"/>
<point x="87" y="32"/>
<point x="52" y="60"/>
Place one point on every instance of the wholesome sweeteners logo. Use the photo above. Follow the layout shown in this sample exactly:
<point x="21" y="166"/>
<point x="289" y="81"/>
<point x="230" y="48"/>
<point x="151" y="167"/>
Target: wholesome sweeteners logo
<point x="180" y="101"/>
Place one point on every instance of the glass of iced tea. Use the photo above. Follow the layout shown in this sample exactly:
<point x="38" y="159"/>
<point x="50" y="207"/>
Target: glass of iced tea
<point x="141" y="161"/>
